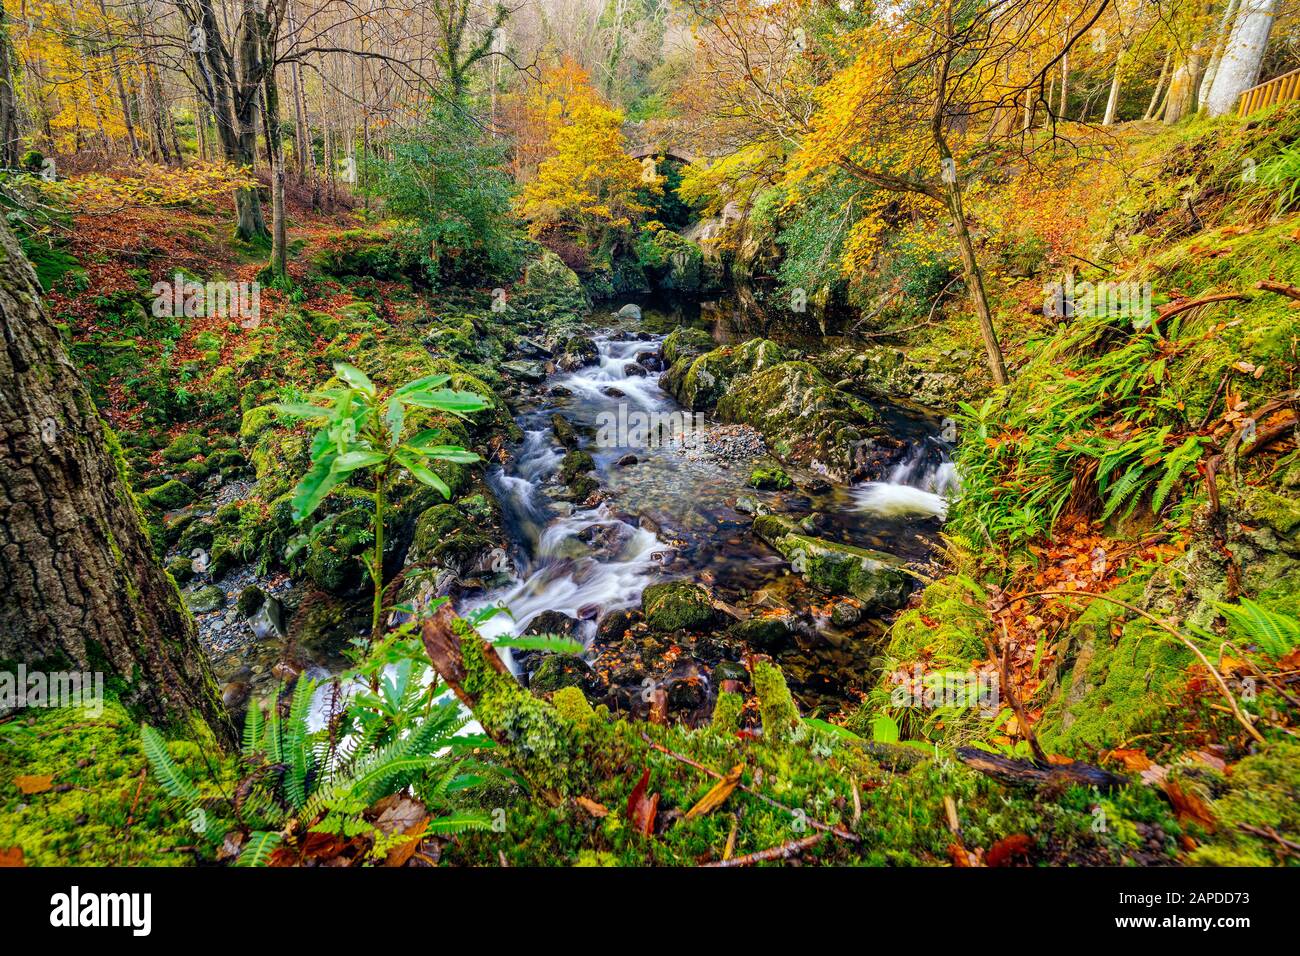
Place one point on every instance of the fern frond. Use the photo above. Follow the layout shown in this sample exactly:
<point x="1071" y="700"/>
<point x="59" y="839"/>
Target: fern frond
<point x="261" y="844"/>
<point x="1276" y="634"/>
<point x="171" y="776"/>
<point x="252" y="730"/>
<point x="459" y="822"/>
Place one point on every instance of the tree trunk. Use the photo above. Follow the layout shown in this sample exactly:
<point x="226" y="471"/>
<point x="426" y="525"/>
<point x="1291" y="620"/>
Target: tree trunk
<point x="1160" y="86"/>
<point x="974" y="275"/>
<point x="1112" y="102"/>
<point x="8" y="101"/>
<point x="1221" y="36"/>
<point x="1239" y="67"/>
<point x="83" y="590"/>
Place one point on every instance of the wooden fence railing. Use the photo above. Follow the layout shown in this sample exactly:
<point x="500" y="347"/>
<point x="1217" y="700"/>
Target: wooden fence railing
<point x="1281" y="89"/>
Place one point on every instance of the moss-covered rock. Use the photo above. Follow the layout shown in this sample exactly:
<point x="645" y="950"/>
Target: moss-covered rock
<point x="709" y="375"/>
<point x="184" y="447"/>
<point x="686" y="342"/>
<point x="769" y="479"/>
<point x="802" y="416"/>
<point x="776" y="706"/>
<point x="565" y="670"/>
<point x="677" y="605"/>
<point x="169" y="496"/>
<point x="726" y="712"/>
<point x="873" y="577"/>
<point x="572" y="704"/>
<point x="207" y="599"/>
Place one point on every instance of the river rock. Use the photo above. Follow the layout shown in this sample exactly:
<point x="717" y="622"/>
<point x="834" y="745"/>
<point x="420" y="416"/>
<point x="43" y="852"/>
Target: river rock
<point x="207" y="599"/>
<point x="873" y="577"/>
<point x="710" y="374"/>
<point x="684" y="343"/>
<point x="677" y="605"/>
<point x="802" y="417"/>
<point x="532" y="372"/>
<point x="629" y="311"/>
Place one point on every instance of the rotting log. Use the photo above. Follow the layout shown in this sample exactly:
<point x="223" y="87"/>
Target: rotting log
<point x="1031" y="773"/>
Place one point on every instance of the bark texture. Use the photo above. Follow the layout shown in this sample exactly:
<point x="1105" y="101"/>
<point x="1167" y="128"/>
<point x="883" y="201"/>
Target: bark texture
<point x="81" y="587"/>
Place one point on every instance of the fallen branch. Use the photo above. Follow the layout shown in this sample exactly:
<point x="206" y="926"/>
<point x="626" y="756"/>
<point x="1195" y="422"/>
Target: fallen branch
<point x="1281" y="288"/>
<point x="1195" y="303"/>
<point x="782" y="852"/>
<point x="1032" y="773"/>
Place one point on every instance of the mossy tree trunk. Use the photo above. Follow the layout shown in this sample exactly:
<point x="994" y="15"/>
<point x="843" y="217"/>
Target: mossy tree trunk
<point x="82" y="588"/>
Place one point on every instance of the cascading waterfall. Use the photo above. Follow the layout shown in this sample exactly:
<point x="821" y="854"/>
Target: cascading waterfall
<point x="921" y="484"/>
<point x="580" y="562"/>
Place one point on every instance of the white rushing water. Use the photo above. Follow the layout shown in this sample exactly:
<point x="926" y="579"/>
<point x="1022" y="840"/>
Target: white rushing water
<point x="920" y="485"/>
<point x="587" y="562"/>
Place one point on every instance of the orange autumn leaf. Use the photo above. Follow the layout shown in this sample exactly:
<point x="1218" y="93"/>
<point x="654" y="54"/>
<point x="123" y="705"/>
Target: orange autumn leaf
<point x="34" y="784"/>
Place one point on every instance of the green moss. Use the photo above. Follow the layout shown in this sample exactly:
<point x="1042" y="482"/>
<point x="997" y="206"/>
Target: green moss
<point x="726" y="713"/>
<point x="102" y="808"/>
<point x="571" y="704"/>
<point x="774" y="479"/>
<point x="873" y="577"/>
<point x="255" y="421"/>
<point x="169" y="496"/>
<point x="576" y="463"/>
<point x="184" y="447"/>
<point x="775" y="705"/>
<point x="686" y="342"/>
<point x="676" y="605"/>
<point x="1263" y="792"/>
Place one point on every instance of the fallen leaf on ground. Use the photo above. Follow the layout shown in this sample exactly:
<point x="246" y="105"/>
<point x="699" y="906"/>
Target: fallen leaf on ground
<point x="34" y="784"/>
<point x="718" y="795"/>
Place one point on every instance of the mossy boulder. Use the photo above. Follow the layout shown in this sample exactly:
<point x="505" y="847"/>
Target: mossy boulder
<point x="677" y="605"/>
<point x="169" y="496"/>
<point x="710" y="374"/>
<point x="255" y="422"/>
<point x="572" y="704"/>
<point x="576" y="464"/>
<point x="939" y="382"/>
<point x="767" y="633"/>
<point x="686" y="342"/>
<point x="769" y="479"/>
<point x="184" y="447"/>
<point x="558" y="671"/>
<point x="553" y="286"/>
<point x="334" y="554"/>
<point x="207" y="599"/>
<point x="873" y="577"/>
<point x="803" y="417"/>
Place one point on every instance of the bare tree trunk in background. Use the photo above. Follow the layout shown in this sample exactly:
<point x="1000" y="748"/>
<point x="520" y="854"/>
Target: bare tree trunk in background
<point x="1221" y="35"/>
<point x="1112" y="102"/>
<point x="1160" y="86"/>
<point x="8" y="99"/>
<point x="1239" y="67"/>
<point x="116" y="70"/>
<point x="83" y="590"/>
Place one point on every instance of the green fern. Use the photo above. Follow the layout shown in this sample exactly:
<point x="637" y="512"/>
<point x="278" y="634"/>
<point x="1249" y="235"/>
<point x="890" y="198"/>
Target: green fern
<point x="261" y="844"/>
<point x="1276" y="634"/>
<point x="171" y="776"/>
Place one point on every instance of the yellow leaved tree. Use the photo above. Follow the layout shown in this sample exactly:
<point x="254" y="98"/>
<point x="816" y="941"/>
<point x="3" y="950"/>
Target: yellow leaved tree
<point x="588" y="187"/>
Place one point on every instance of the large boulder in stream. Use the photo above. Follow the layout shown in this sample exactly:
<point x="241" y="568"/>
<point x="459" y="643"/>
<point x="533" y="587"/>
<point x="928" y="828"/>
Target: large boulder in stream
<point x="551" y="288"/>
<point x="708" y="376"/>
<point x="803" y="417"/>
<point x="873" y="577"/>
<point x="684" y="343"/>
<point x="677" y="605"/>
<point x="881" y="370"/>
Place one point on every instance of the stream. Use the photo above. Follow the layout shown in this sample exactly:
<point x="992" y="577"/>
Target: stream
<point x="681" y="508"/>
